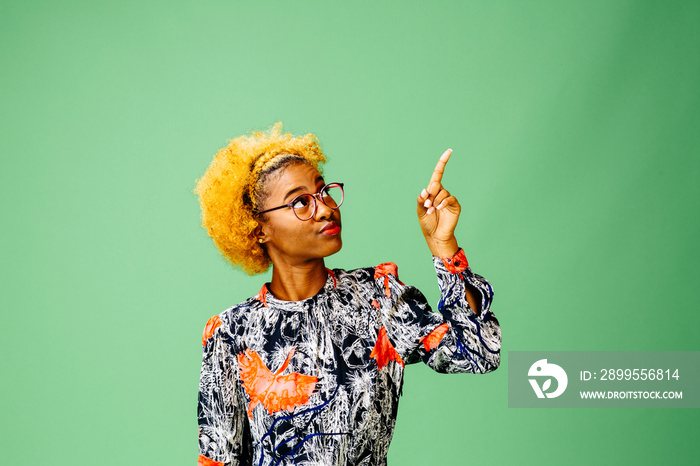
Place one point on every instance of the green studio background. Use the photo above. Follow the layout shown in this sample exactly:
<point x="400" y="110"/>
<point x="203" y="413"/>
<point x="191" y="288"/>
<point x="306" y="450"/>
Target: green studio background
<point x="574" y="127"/>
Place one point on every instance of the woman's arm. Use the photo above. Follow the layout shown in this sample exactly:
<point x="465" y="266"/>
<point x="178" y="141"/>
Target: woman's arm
<point x="456" y="339"/>
<point x="465" y="336"/>
<point x="438" y="212"/>
<point x="471" y="336"/>
<point x="224" y="433"/>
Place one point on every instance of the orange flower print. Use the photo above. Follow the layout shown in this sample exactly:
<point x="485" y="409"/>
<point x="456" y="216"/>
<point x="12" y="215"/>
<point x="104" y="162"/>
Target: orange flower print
<point x="384" y="351"/>
<point x="212" y="325"/>
<point x="456" y="263"/>
<point x="431" y="340"/>
<point x="204" y="461"/>
<point x="276" y="392"/>
<point x="262" y="295"/>
<point x="384" y="270"/>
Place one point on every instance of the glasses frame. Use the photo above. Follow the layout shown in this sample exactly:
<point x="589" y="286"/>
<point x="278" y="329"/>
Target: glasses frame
<point x="314" y="197"/>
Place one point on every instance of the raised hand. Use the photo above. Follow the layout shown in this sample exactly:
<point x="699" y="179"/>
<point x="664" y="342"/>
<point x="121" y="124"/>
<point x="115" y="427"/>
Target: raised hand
<point x="438" y="212"/>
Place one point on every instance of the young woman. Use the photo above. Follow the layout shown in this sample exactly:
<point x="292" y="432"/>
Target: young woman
<point x="310" y="370"/>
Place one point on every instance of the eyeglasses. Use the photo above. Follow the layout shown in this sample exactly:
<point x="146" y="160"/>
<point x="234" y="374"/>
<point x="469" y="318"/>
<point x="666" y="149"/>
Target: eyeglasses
<point x="304" y="205"/>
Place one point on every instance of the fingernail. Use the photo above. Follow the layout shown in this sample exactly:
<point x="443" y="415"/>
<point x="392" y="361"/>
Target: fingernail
<point x="426" y="204"/>
<point x="424" y="194"/>
<point x="430" y="211"/>
<point x="442" y="204"/>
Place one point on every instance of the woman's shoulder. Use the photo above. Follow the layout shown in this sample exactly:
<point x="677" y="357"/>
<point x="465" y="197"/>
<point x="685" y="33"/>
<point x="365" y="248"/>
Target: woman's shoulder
<point x="375" y="272"/>
<point x="239" y="310"/>
<point x="379" y="274"/>
<point x="231" y="317"/>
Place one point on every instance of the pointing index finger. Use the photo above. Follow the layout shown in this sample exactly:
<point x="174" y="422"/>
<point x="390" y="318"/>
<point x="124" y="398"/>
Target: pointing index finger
<point x="440" y="167"/>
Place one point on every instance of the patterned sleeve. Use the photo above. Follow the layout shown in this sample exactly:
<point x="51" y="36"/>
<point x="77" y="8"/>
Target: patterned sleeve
<point x="224" y="433"/>
<point x="454" y="340"/>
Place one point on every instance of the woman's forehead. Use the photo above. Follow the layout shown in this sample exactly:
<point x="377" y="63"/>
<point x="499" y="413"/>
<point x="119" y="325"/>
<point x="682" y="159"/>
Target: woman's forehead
<point x="300" y="177"/>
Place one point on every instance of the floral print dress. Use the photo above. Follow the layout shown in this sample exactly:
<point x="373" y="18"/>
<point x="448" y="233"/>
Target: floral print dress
<point x="317" y="382"/>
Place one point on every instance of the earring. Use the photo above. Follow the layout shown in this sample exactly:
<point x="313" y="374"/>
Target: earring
<point x="260" y="240"/>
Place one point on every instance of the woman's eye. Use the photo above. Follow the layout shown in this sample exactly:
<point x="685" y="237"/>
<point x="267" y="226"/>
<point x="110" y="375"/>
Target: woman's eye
<point x="300" y="203"/>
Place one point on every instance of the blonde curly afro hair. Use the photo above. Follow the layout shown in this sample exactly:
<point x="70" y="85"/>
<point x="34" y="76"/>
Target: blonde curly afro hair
<point x="233" y="187"/>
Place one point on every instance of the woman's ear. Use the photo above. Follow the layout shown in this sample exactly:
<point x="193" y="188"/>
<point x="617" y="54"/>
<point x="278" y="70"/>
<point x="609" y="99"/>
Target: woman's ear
<point x="260" y="235"/>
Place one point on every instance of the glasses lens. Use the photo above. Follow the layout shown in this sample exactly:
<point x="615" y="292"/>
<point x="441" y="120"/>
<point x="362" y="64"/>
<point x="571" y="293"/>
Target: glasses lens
<point x="333" y="195"/>
<point x="304" y="206"/>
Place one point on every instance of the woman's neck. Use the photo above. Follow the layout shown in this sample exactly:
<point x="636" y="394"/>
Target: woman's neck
<point x="298" y="282"/>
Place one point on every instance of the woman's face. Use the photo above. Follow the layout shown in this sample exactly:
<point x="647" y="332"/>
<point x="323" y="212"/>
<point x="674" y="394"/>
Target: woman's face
<point x="286" y="238"/>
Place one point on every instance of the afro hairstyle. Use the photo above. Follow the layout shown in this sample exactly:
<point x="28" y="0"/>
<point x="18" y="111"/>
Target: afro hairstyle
<point x="232" y="188"/>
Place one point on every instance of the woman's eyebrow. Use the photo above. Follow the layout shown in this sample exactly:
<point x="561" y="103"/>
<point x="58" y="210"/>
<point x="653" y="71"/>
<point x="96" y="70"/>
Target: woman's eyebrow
<point x="293" y="191"/>
<point x="319" y="179"/>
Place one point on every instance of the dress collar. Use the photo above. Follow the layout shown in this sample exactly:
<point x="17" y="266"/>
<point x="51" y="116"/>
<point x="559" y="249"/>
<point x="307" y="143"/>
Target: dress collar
<point x="269" y="300"/>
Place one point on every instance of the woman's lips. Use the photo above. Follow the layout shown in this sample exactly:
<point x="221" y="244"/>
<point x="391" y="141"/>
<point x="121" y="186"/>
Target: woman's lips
<point x="331" y="229"/>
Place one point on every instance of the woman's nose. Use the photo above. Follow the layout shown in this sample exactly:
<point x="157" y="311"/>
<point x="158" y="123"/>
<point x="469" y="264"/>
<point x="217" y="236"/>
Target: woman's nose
<point x="322" y="210"/>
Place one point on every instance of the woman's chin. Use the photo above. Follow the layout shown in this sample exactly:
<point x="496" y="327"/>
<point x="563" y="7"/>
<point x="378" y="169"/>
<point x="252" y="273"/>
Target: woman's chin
<point x="337" y="247"/>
